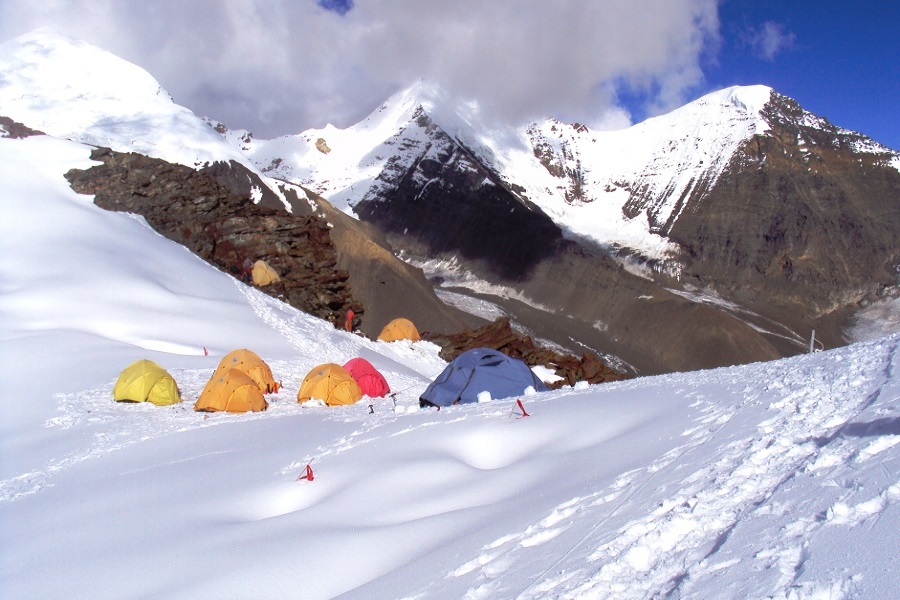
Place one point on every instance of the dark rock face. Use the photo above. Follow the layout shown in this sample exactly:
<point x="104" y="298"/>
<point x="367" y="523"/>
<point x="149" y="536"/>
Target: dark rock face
<point x="15" y="130"/>
<point x="798" y="218"/>
<point x="566" y="166"/>
<point x="193" y="209"/>
<point x="500" y="336"/>
<point x="436" y="193"/>
<point x="240" y="181"/>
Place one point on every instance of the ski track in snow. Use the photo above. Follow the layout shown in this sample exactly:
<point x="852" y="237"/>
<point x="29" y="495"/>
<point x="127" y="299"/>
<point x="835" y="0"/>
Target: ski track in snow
<point x="675" y="544"/>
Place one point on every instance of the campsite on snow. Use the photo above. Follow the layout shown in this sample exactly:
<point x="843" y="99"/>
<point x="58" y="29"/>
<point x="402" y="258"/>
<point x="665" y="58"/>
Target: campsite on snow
<point x="171" y="427"/>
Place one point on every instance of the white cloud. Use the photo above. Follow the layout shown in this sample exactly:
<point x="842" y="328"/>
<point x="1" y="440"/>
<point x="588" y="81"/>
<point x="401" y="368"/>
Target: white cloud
<point x="770" y="40"/>
<point x="279" y="66"/>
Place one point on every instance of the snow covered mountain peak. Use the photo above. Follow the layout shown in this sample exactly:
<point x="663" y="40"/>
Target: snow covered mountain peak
<point x="734" y="111"/>
<point x="748" y="98"/>
<point x="73" y="90"/>
<point x="583" y="179"/>
<point x="752" y="98"/>
<point x="626" y="188"/>
<point x="429" y="101"/>
<point x="342" y="164"/>
<point x="70" y="89"/>
<point x="407" y="101"/>
<point x="43" y="66"/>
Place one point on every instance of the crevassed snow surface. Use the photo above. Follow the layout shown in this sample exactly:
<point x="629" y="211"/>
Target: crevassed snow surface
<point x="775" y="480"/>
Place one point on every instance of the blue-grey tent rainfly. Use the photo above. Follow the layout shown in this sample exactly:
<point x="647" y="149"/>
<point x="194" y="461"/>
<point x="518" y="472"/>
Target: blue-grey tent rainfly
<point x="480" y="370"/>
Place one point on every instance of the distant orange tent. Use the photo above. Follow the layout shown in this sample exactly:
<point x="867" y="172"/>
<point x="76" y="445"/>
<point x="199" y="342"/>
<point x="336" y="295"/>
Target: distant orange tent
<point x="331" y="384"/>
<point x="262" y="274"/>
<point x="371" y="382"/>
<point x="399" y="329"/>
<point x="233" y="391"/>
<point x="250" y="363"/>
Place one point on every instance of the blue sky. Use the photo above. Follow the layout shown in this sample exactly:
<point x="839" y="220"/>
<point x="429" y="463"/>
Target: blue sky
<point x="840" y="60"/>
<point x="278" y="67"/>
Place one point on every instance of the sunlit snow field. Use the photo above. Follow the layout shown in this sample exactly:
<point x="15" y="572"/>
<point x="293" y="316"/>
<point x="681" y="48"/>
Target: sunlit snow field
<point x="769" y="480"/>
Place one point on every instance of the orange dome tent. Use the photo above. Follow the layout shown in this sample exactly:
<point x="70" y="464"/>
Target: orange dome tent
<point x="399" y="329"/>
<point x="330" y="383"/>
<point x="231" y="391"/>
<point x="371" y="382"/>
<point x="250" y="363"/>
<point x="263" y="275"/>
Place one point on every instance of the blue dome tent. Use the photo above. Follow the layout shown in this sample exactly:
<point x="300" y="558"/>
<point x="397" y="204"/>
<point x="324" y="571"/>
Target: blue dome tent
<point x="480" y="370"/>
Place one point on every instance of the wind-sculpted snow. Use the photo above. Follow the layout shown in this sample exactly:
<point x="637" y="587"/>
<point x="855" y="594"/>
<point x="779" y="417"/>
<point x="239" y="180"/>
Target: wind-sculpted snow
<point x="737" y="508"/>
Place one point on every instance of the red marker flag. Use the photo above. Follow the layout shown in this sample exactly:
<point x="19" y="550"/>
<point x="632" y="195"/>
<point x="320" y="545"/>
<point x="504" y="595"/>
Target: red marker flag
<point x="308" y="475"/>
<point x="522" y="408"/>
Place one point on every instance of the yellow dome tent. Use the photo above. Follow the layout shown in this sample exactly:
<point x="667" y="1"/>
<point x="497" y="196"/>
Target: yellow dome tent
<point x="399" y="329"/>
<point x="146" y="381"/>
<point x="330" y="383"/>
<point x="231" y="391"/>
<point x="250" y="363"/>
<point x="263" y="274"/>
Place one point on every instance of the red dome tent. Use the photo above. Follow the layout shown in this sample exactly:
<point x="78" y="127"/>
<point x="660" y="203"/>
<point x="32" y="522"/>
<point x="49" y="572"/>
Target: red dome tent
<point x="371" y="382"/>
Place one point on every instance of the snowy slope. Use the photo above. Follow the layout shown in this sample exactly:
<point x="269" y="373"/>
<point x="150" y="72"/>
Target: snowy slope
<point x="774" y="480"/>
<point x="73" y="90"/>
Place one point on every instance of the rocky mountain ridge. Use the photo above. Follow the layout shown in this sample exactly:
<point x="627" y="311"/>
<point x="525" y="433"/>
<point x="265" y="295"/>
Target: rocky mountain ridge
<point x="808" y="214"/>
<point x="713" y="205"/>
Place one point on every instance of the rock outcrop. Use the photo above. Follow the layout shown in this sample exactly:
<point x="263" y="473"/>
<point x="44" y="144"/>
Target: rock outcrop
<point x="15" y="130"/>
<point x="191" y="208"/>
<point x="500" y="336"/>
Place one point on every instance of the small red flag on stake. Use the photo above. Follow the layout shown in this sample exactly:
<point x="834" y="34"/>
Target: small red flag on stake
<point x="205" y="351"/>
<point x="308" y="475"/>
<point x="522" y="408"/>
